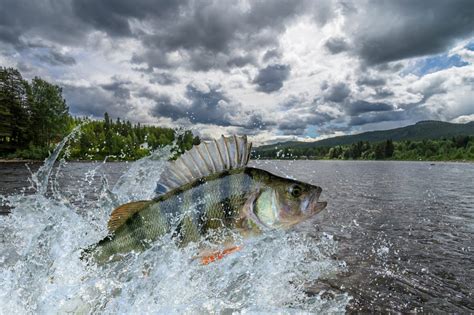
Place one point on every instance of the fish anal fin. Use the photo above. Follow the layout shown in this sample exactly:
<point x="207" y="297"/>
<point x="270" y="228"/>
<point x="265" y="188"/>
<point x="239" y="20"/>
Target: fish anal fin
<point x="123" y="212"/>
<point x="209" y="257"/>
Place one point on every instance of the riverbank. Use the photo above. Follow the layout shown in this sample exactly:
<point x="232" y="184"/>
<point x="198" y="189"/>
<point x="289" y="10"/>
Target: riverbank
<point x="19" y="161"/>
<point x="117" y="161"/>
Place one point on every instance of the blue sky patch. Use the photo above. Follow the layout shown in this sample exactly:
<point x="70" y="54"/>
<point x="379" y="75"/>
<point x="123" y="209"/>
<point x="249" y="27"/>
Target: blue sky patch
<point x="437" y="63"/>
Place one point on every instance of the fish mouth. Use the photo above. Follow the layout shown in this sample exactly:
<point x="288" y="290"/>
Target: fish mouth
<point x="315" y="206"/>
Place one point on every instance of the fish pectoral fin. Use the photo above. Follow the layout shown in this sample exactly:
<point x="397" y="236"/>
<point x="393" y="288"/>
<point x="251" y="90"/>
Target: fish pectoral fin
<point x="207" y="257"/>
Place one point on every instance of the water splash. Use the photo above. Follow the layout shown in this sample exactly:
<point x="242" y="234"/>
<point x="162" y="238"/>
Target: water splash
<point x="41" y="177"/>
<point x="41" y="270"/>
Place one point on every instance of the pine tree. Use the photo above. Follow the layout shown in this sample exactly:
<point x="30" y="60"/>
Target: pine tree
<point x="13" y="108"/>
<point x="389" y="148"/>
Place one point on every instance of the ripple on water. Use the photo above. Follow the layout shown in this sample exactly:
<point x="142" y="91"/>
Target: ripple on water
<point x="41" y="270"/>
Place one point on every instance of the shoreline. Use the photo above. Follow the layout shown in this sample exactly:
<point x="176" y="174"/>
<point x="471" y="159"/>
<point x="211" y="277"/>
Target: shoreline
<point x="20" y="161"/>
<point x="7" y="161"/>
<point x="12" y="161"/>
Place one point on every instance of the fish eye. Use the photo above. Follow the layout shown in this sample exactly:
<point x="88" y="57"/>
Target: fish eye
<point x="296" y="191"/>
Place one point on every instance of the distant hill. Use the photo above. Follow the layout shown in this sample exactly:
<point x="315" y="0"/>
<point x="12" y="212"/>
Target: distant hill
<point x="429" y="129"/>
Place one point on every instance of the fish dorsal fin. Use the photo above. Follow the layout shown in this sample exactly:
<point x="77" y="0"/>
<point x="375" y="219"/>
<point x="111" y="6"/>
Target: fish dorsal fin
<point x="123" y="212"/>
<point x="207" y="158"/>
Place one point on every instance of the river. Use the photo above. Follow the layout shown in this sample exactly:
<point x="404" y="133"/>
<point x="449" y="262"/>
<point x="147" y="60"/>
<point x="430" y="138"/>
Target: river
<point x="396" y="236"/>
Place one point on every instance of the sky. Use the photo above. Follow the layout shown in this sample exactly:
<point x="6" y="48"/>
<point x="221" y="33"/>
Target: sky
<point x="275" y="70"/>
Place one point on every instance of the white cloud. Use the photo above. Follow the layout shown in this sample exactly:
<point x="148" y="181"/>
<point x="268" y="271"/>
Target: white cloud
<point x="322" y="51"/>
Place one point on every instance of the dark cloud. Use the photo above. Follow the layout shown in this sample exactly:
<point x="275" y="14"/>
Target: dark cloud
<point x="164" y="107"/>
<point x="24" y="67"/>
<point x="94" y="101"/>
<point x="302" y="112"/>
<point x="199" y="30"/>
<point x="292" y="101"/>
<point x="293" y="132"/>
<point x="55" y="58"/>
<point x="382" y="31"/>
<point x="336" y="45"/>
<point x="208" y="33"/>
<point x="375" y="117"/>
<point x="241" y="61"/>
<point x="371" y="81"/>
<point x="337" y="93"/>
<point x="50" y="20"/>
<point x="360" y="107"/>
<point x="223" y="35"/>
<point x="207" y="107"/>
<point x="331" y="129"/>
<point x="293" y="127"/>
<point x="271" y="78"/>
<point x="324" y="10"/>
<point x="324" y="85"/>
<point x="118" y="88"/>
<point x="271" y="54"/>
<point x="383" y="92"/>
<point x="156" y="58"/>
<point x="319" y="118"/>
<point x="115" y="16"/>
<point x="298" y="125"/>
<point x="164" y="78"/>
<point x="393" y="30"/>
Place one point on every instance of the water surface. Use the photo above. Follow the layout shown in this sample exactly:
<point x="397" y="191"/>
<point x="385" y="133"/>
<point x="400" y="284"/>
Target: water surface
<point x="396" y="236"/>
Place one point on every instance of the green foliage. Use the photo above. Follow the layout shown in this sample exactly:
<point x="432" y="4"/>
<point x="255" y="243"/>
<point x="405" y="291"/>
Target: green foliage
<point x="423" y="130"/>
<point x="34" y="117"/>
<point x="121" y="140"/>
<point x="49" y="113"/>
<point x="14" y="92"/>
<point x="456" y="148"/>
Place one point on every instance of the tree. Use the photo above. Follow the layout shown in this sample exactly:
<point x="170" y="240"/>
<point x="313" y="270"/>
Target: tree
<point x="49" y="112"/>
<point x="379" y="151"/>
<point x="389" y="149"/>
<point x="13" y="108"/>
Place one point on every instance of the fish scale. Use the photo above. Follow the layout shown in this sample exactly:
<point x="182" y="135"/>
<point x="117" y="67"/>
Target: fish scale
<point x="212" y="201"/>
<point x="227" y="196"/>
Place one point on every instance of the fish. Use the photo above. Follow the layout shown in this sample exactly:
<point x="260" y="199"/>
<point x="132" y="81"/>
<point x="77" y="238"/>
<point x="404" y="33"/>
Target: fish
<point x="207" y="190"/>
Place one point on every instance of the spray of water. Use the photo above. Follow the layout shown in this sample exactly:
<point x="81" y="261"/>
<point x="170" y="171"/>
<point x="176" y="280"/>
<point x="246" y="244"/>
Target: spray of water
<point x="41" y="270"/>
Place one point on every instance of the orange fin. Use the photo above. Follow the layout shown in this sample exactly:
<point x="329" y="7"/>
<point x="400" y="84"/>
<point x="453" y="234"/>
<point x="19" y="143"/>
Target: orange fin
<point x="123" y="212"/>
<point x="214" y="256"/>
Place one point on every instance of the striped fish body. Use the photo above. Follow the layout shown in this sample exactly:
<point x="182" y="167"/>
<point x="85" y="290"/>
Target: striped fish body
<point x="189" y="212"/>
<point x="209" y="188"/>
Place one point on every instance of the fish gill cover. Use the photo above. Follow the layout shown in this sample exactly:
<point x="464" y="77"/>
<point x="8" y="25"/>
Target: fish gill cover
<point x="41" y="241"/>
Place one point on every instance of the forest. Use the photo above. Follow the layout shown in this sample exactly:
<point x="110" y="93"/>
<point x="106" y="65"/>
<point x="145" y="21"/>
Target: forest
<point x="459" y="148"/>
<point x="35" y="117"/>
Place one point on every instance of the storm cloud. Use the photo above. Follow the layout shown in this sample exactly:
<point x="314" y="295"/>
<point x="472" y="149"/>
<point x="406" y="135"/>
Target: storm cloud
<point x="272" y="69"/>
<point x="94" y="102"/>
<point x="207" y="105"/>
<point x="271" y="78"/>
<point x="393" y="30"/>
<point x="337" y="92"/>
<point x="55" y="58"/>
<point x="360" y="107"/>
<point x="374" y="117"/>
<point x="336" y="45"/>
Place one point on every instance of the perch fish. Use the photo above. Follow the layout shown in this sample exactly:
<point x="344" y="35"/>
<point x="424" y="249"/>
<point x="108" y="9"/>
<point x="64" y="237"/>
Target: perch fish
<point x="209" y="188"/>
